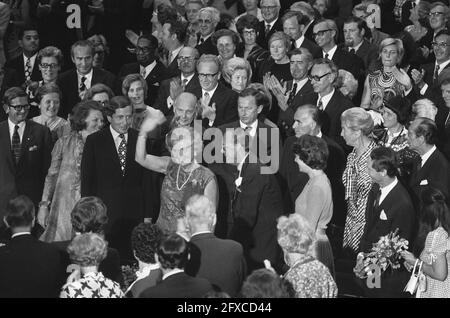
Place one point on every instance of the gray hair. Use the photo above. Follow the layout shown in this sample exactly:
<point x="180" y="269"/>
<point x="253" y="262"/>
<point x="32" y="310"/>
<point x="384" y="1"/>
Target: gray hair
<point x="424" y="108"/>
<point x="213" y="12"/>
<point x="358" y="118"/>
<point x="233" y="64"/>
<point x="295" y="234"/>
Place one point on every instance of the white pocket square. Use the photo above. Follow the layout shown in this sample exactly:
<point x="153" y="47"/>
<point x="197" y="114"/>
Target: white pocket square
<point x="424" y="182"/>
<point x="383" y="216"/>
<point x="33" y="148"/>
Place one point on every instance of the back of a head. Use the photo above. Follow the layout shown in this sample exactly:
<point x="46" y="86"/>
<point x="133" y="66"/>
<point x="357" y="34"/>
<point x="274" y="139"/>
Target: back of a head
<point x="200" y="213"/>
<point x="173" y="252"/>
<point x="145" y="240"/>
<point x="19" y="212"/>
<point x="263" y="283"/>
<point x="89" y="215"/>
<point x="88" y="249"/>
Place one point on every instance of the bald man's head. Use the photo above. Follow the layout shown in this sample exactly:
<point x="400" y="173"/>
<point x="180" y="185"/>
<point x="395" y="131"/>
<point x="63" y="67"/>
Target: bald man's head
<point x="185" y="109"/>
<point x="187" y="60"/>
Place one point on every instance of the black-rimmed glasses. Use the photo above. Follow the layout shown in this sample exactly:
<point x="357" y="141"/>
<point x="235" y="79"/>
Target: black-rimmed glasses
<point x="19" y="108"/>
<point x="316" y="77"/>
<point x="209" y="76"/>
<point x="321" y="33"/>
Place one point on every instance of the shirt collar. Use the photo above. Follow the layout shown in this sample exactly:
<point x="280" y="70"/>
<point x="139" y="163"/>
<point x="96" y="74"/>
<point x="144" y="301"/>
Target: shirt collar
<point x="211" y="92"/>
<point x="299" y="41"/>
<point x="427" y="155"/>
<point x="356" y="48"/>
<point x="254" y="126"/>
<point x="385" y="190"/>
<point x="300" y="83"/>
<point x="319" y="134"/>
<point x="176" y="51"/>
<point x="201" y="232"/>
<point x="115" y="134"/>
<point x="326" y="99"/>
<point x="172" y="272"/>
<point x="88" y="76"/>
<point x="442" y="66"/>
<point x="20" y="234"/>
<point x="330" y="52"/>
<point x="32" y="60"/>
<point x="11" y="125"/>
<point x="148" y="69"/>
<point x="187" y="78"/>
<point x="271" y="23"/>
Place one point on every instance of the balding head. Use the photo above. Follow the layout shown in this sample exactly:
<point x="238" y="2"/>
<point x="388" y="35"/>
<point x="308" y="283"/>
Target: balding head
<point x="187" y="60"/>
<point x="185" y="109"/>
<point x="200" y="214"/>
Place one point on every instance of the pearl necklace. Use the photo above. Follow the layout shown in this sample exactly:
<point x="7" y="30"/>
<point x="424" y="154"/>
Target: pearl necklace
<point x="178" y="175"/>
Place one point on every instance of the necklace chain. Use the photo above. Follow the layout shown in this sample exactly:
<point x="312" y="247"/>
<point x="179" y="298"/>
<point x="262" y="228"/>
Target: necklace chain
<point x="178" y="175"/>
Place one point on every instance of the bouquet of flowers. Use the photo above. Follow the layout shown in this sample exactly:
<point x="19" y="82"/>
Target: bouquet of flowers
<point x="384" y="253"/>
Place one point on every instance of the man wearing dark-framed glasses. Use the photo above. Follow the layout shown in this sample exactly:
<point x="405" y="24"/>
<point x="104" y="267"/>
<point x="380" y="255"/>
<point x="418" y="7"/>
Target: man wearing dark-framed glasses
<point x="25" y="153"/>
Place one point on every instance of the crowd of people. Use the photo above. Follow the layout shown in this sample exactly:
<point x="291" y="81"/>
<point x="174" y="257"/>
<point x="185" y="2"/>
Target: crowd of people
<point x="210" y="148"/>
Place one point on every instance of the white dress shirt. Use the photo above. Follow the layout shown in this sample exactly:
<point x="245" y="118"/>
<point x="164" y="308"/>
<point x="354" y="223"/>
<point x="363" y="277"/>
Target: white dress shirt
<point x="88" y="81"/>
<point x="330" y="52"/>
<point x="325" y="99"/>
<point x="427" y="155"/>
<point x="300" y="84"/>
<point x="385" y="190"/>
<point x="299" y="41"/>
<point x="148" y="69"/>
<point x="117" y="139"/>
<point x="20" y="130"/>
<point x="253" y="129"/>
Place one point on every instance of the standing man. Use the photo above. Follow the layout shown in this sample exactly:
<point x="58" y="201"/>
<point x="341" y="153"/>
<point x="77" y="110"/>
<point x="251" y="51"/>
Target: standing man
<point x="109" y="171"/>
<point x="75" y="82"/>
<point x="208" y="18"/>
<point x="25" y="151"/>
<point x="270" y="10"/>
<point x="443" y="120"/>
<point x="173" y="35"/>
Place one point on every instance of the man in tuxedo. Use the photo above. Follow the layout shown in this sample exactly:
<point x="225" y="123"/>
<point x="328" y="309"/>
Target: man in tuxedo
<point x="325" y="34"/>
<point x="173" y="35"/>
<point x="25" y="152"/>
<point x="173" y="255"/>
<point x="294" y="23"/>
<point x="208" y="18"/>
<point x="389" y="206"/>
<point x="151" y="70"/>
<point x="29" y="268"/>
<point x="25" y="65"/>
<point x="207" y="251"/>
<point x="443" y="120"/>
<point x="75" y="82"/>
<point x="323" y="78"/>
<point x="432" y="168"/>
<point x="219" y="103"/>
<point x="109" y="171"/>
<point x="250" y="202"/>
<point x="270" y="10"/>
<point x="186" y="82"/>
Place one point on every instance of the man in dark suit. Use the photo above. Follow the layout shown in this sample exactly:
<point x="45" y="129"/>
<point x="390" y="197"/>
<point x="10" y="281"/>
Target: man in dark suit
<point x="173" y="35"/>
<point x="75" y="82"/>
<point x="25" y="151"/>
<point x="270" y="10"/>
<point x="151" y="70"/>
<point x="29" y="268"/>
<point x="207" y="251"/>
<point x="219" y="103"/>
<point x="432" y="168"/>
<point x="25" y="65"/>
<point x="109" y="171"/>
<point x="186" y="82"/>
<point x="208" y="18"/>
<point x="173" y="255"/>
<point x="443" y="120"/>
<point x="250" y="202"/>
<point x="323" y="78"/>
<point x="389" y="206"/>
<point x="293" y="25"/>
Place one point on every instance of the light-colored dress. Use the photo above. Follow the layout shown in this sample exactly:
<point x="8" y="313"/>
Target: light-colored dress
<point x="357" y="183"/>
<point x="92" y="285"/>
<point x="58" y="127"/>
<point x="62" y="186"/>
<point x="436" y="243"/>
<point x="178" y="186"/>
<point x="311" y="279"/>
<point x="315" y="203"/>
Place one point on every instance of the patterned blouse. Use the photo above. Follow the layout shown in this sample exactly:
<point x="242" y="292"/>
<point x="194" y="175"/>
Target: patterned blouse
<point x="385" y="85"/>
<point x="357" y="184"/>
<point x="92" y="285"/>
<point x="311" y="279"/>
<point x="436" y="243"/>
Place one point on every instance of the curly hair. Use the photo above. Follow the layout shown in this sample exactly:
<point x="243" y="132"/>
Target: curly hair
<point x="295" y="234"/>
<point x="173" y="252"/>
<point x="145" y="239"/>
<point x="80" y="112"/>
<point x="89" y="215"/>
<point x="234" y="64"/>
<point x="88" y="249"/>
<point x="50" y="51"/>
<point x="247" y="21"/>
<point x="263" y="283"/>
<point x="312" y="150"/>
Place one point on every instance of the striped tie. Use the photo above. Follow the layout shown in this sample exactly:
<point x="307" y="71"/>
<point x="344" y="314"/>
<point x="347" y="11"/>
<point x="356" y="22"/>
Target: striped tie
<point x="15" y="144"/>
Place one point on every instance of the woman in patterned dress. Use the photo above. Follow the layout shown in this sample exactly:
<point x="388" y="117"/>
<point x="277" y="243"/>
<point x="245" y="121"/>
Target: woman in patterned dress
<point x="88" y="250"/>
<point x="357" y="126"/>
<point x="184" y="176"/>
<point x="309" y="277"/>
<point x="433" y="246"/>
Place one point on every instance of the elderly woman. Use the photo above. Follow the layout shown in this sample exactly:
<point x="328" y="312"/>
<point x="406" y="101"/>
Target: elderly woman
<point x="62" y="184"/>
<point x="357" y="126"/>
<point x="309" y="277"/>
<point x="134" y="86"/>
<point x="99" y="93"/>
<point x="48" y="96"/>
<point x="184" y="177"/>
<point x="424" y="108"/>
<point x="311" y="155"/>
<point x="237" y="73"/>
<point x="389" y="81"/>
<point x="278" y="64"/>
<point x="226" y="42"/>
<point x="88" y="250"/>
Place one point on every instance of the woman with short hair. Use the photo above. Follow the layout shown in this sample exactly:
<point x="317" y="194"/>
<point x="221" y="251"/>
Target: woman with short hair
<point x="237" y="73"/>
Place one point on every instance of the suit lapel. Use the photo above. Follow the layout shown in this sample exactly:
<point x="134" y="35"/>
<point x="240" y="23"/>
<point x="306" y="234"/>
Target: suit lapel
<point x="26" y="141"/>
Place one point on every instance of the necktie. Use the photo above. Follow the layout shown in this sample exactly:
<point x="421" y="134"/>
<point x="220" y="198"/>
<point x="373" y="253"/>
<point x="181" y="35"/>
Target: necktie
<point x="436" y="73"/>
<point x="207" y="98"/>
<point x="122" y="153"/>
<point x="15" y="144"/>
<point x="267" y="30"/>
<point x="320" y="104"/>
<point x="82" y="84"/>
<point x="327" y="56"/>
<point x="169" y="58"/>
<point x="352" y="51"/>
<point x="28" y="70"/>
<point x="292" y="94"/>
<point x="184" y="83"/>
<point x="143" y="73"/>
<point x="376" y="202"/>
<point x="447" y="121"/>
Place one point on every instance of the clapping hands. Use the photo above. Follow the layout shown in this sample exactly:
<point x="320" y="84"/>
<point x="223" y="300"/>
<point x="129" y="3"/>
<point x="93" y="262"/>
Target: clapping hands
<point x="175" y="89"/>
<point x="403" y="78"/>
<point x="208" y="111"/>
<point x="278" y="89"/>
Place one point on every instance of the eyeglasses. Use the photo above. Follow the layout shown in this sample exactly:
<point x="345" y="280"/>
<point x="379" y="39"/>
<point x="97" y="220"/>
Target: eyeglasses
<point x="435" y="14"/>
<point x="441" y="45"/>
<point x="269" y="7"/>
<point x="209" y="76"/>
<point x="19" y="108"/>
<point x="321" y="33"/>
<point x="317" y="78"/>
<point x="249" y="32"/>
<point x="201" y="21"/>
<point x="47" y="66"/>
<point x="186" y="58"/>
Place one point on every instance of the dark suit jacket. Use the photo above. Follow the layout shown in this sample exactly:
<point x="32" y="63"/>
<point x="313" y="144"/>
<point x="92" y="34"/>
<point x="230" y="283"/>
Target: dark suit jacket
<point x="153" y="79"/>
<point x="139" y="286"/>
<point x="226" y="105"/>
<point x="435" y="173"/>
<point x="351" y="63"/>
<point x="433" y="91"/>
<point x="207" y="47"/>
<point x="443" y="131"/>
<point x="68" y="83"/>
<point x="172" y="69"/>
<point x="164" y="92"/>
<point x="30" y="268"/>
<point x="179" y="285"/>
<point x="262" y="39"/>
<point x="308" y="33"/>
<point x="207" y="261"/>
<point x="312" y="47"/>
<point x="368" y="53"/>
<point x="399" y="211"/>
<point x="101" y="176"/>
<point x="17" y="64"/>
<point x="28" y="176"/>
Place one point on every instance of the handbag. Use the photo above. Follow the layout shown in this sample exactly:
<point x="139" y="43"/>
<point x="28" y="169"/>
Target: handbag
<point x="413" y="282"/>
